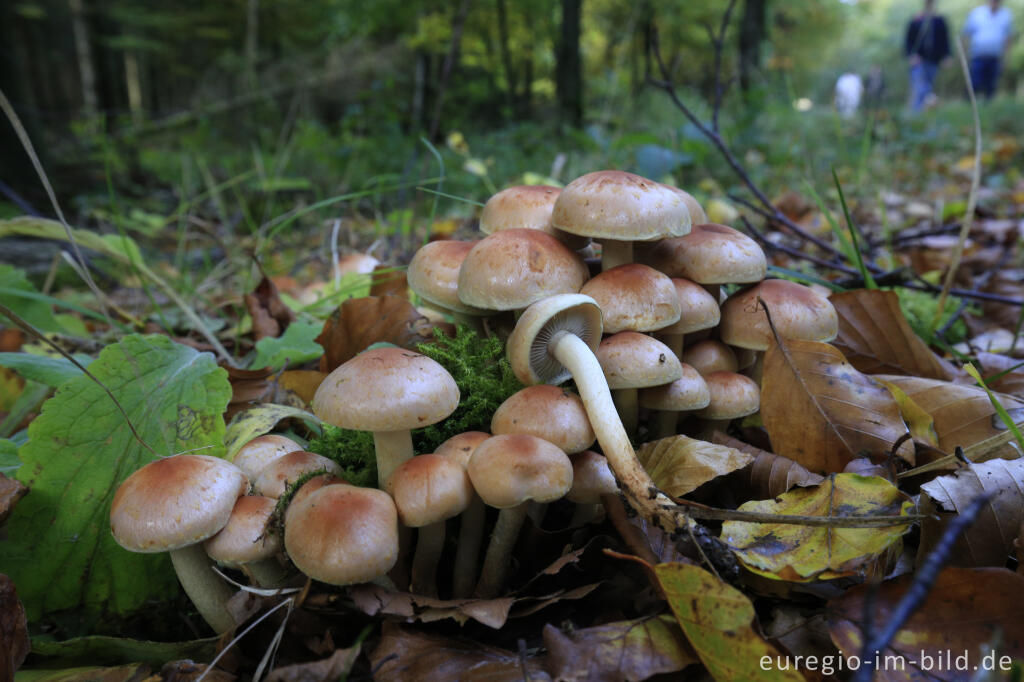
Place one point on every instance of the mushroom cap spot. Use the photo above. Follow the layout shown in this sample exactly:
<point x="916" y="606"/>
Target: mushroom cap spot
<point x="513" y="268"/>
<point x="617" y="205"/>
<point x="246" y="537"/>
<point x="275" y="477"/>
<point x="174" y="502"/>
<point x="433" y="273"/>
<point x="689" y="392"/>
<point x="429" y="488"/>
<point x="261" y="451"/>
<point x="798" y="312"/>
<point x="343" y="535"/>
<point x="548" y="412"/>
<point x="386" y="389"/>
<point x="634" y="297"/>
<point x="709" y="254"/>
<point x="732" y="396"/>
<point x="634" y="360"/>
<point x="527" y="345"/>
<point x="514" y="468"/>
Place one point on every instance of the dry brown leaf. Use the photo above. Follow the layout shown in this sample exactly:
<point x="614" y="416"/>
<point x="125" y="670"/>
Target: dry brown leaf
<point x="405" y="655"/>
<point x="769" y="475"/>
<point x="14" y="643"/>
<point x="1011" y="370"/>
<point x="966" y="611"/>
<point x="336" y="667"/>
<point x="679" y="465"/>
<point x="876" y="339"/>
<point x="359" y="322"/>
<point x="11" y="490"/>
<point x="963" y="415"/>
<point x="388" y="280"/>
<point x="821" y="412"/>
<point x="270" y="317"/>
<point x="301" y="382"/>
<point x="989" y="540"/>
<point x="624" y="650"/>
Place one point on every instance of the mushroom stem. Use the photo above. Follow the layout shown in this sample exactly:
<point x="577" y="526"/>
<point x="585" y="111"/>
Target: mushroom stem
<point x="665" y="421"/>
<point x="614" y="253"/>
<point x="625" y="400"/>
<point x="208" y="592"/>
<point x="579" y="359"/>
<point x="471" y="533"/>
<point x="499" y="551"/>
<point x="429" y="544"/>
<point x="266" y="572"/>
<point x="584" y="514"/>
<point x="393" y="448"/>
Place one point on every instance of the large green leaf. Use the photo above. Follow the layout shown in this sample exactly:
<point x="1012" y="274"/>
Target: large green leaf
<point x="59" y="550"/>
<point x="14" y="283"/>
<point x="52" y="371"/>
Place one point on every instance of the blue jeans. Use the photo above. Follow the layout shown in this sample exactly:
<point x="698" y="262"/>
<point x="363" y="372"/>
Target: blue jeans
<point x="922" y="78"/>
<point x="984" y="74"/>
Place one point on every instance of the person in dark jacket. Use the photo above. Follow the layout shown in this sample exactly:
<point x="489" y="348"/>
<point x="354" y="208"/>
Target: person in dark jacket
<point x="926" y="47"/>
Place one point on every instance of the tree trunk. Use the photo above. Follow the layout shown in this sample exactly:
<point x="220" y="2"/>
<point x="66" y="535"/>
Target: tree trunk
<point x="83" y="54"/>
<point x="506" y="57"/>
<point x="753" y="31"/>
<point x="458" y="24"/>
<point x="568" y="68"/>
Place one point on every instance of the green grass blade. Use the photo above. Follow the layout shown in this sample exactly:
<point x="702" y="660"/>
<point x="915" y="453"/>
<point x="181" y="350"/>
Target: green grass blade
<point x="1000" y="410"/>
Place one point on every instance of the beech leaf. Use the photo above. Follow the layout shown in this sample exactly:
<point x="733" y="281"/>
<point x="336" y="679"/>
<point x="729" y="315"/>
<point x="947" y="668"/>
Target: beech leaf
<point x="679" y="465"/>
<point x="800" y="553"/>
<point x="359" y="322"/>
<point x="769" y="475"/>
<point x="822" y="413"/>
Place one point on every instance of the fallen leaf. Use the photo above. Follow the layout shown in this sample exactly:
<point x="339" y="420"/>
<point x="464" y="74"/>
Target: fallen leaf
<point x="679" y="465"/>
<point x="821" y="412"/>
<point x="259" y="420"/>
<point x="104" y="650"/>
<point x="963" y="415"/>
<point x="801" y="553"/>
<point x="405" y="655"/>
<point x="335" y="667"/>
<point x="966" y="612"/>
<point x="718" y="621"/>
<point x="270" y="317"/>
<point x="920" y="423"/>
<point x="1002" y="373"/>
<point x="14" y="642"/>
<point x="301" y="382"/>
<point x="768" y="475"/>
<point x="876" y="338"/>
<point x="359" y="322"/>
<point x="388" y="280"/>
<point x="624" y="650"/>
<point x="989" y="540"/>
<point x="294" y="346"/>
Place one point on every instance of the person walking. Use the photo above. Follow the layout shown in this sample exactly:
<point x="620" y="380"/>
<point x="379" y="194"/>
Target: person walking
<point x="988" y="28"/>
<point x="926" y="46"/>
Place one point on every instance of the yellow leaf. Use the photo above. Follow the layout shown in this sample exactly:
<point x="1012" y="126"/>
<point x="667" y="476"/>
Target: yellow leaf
<point x="679" y="465"/>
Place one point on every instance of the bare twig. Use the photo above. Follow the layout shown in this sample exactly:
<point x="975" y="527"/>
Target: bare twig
<point x="718" y="43"/>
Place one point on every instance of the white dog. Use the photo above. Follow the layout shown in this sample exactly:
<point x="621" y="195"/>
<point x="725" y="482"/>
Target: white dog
<point x="849" y="90"/>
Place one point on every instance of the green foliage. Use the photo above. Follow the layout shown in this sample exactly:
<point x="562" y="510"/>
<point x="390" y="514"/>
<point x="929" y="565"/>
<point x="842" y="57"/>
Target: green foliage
<point x="352" y="451"/>
<point x="295" y="346"/>
<point x="483" y="375"/>
<point x="59" y="550"/>
<point x="9" y="461"/>
<point x="46" y="370"/>
<point x="17" y="294"/>
<point x="919" y="308"/>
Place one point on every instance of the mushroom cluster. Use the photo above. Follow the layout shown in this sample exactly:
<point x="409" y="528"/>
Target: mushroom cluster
<point x="646" y="333"/>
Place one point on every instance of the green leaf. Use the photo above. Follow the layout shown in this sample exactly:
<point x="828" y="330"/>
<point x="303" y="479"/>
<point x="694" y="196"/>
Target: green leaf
<point x="262" y="419"/>
<point x="295" y="346"/>
<point x="96" y="650"/>
<point x="9" y="461"/>
<point x="46" y="370"/>
<point x="59" y="549"/>
<point x="38" y="314"/>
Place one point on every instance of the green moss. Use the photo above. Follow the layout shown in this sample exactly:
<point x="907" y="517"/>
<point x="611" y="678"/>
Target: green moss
<point x="919" y="308"/>
<point x="484" y="377"/>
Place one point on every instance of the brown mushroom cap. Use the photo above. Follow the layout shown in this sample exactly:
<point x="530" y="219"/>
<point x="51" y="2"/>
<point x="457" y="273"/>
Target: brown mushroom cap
<point x="732" y="396"/>
<point x="709" y="254"/>
<point x="688" y="392"/>
<point x="634" y="297"/>
<point x="527" y="207"/>
<point x="548" y="412"/>
<point x="699" y="308"/>
<point x="511" y="469"/>
<point x="591" y="478"/>
<point x="616" y="205"/>
<point x="511" y="269"/>
<point x="798" y="312"/>
<point x="430" y="488"/>
<point x="460" y="447"/>
<point x="697" y="214"/>
<point x="246" y="537"/>
<point x="261" y="451"/>
<point x="174" y="502"/>
<point x="433" y="274"/>
<point x="343" y="535"/>
<point x="275" y="477"/>
<point x="310" y="487"/>
<point x="633" y="360"/>
<point x="711" y="355"/>
<point x="386" y="389"/>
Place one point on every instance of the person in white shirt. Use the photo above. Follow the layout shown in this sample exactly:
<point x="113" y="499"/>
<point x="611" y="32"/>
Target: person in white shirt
<point x="989" y="29"/>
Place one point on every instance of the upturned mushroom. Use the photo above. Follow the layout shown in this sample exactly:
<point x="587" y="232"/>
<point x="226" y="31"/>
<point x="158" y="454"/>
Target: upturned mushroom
<point x="388" y="391"/>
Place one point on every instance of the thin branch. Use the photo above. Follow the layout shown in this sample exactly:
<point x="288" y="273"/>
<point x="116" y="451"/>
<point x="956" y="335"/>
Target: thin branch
<point x="718" y="42"/>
